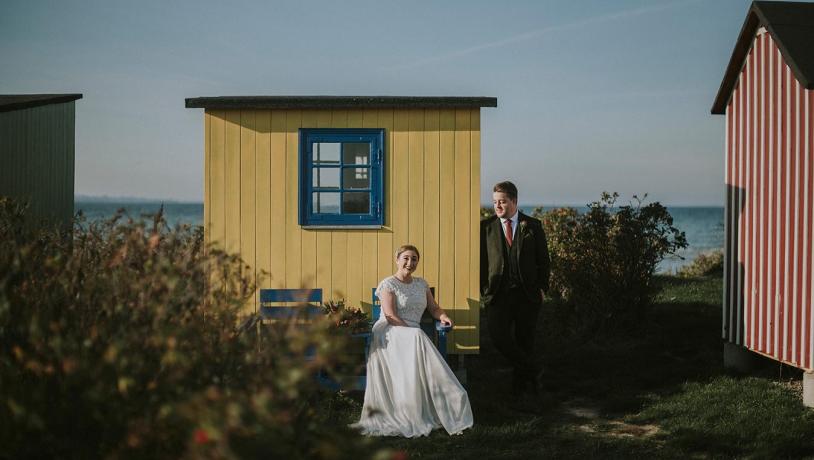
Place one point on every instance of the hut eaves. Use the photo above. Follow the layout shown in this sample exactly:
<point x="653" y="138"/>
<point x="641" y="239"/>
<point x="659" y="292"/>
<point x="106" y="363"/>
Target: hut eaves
<point x="9" y="102"/>
<point x="338" y="102"/>
<point x="791" y="25"/>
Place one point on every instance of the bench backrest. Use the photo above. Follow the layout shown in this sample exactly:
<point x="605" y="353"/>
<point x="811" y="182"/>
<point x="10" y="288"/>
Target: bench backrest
<point x="309" y="300"/>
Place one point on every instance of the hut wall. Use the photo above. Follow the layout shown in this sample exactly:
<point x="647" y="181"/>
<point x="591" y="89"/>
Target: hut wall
<point x="432" y="189"/>
<point x="768" y="270"/>
<point x="37" y="160"/>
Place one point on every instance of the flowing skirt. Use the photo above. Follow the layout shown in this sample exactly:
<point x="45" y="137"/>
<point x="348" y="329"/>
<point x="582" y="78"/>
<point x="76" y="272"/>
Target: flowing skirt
<point x="410" y="388"/>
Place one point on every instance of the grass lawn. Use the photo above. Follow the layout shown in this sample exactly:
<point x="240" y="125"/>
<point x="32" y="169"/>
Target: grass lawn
<point x="662" y="393"/>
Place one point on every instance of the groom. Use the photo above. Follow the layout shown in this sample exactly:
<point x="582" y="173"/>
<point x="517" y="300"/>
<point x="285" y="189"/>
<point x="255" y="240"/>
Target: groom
<point x="514" y="272"/>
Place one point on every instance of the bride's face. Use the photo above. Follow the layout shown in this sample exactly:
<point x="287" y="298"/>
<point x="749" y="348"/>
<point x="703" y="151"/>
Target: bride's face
<point x="407" y="261"/>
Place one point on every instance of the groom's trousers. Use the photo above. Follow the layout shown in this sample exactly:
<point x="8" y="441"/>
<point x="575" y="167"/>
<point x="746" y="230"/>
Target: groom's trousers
<point x="512" y="322"/>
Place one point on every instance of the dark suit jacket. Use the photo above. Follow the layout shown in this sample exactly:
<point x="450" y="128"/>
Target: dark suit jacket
<point x="532" y="253"/>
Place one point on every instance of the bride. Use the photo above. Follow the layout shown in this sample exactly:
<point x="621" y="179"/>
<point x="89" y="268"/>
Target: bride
<point x="410" y="389"/>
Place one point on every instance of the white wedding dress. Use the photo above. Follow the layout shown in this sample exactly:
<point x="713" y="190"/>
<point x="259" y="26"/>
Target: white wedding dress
<point x="410" y="388"/>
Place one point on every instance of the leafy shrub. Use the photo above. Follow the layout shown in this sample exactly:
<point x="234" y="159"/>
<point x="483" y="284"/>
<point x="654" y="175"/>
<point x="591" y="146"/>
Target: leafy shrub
<point x="351" y="319"/>
<point x="122" y="341"/>
<point x="603" y="261"/>
<point x="705" y="264"/>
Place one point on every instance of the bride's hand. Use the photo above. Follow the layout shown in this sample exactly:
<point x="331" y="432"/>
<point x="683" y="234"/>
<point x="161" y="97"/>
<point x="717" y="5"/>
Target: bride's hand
<point x="445" y="321"/>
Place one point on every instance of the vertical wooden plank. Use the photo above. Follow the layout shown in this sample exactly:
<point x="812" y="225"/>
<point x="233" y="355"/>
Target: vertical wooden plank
<point x="474" y="229"/>
<point x="799" y="223"/>
<point x="778" y="208"/>
<point x="432" y="198"/>
<point x="446" y="239"/>
<point x="293" y="233"/>
<point x="370" y="257"/>
<point x="787" y="210"/>
<point x="309" y="237"/>
<point x="232" y="197"/>
<point x="323" y="237"/>
<point x="339" y="238"/>
<point x="207" y="185"/>
<point x="809" y="335"/>
<point x="464" y="338"/>
<point x="279" y="218"/>
<point x="415" y="177"/>
<point x="384" y="238"/>
<point x="216" y="227"/>
<point x="262" y="198"/>
<point x="770" y="203"/>
<point x="354" y="258"/>
<point x="401" y="187"/>
<point x="247" y="198"/>
<point x="805" y="303"/>
<point x="759" y="196"/>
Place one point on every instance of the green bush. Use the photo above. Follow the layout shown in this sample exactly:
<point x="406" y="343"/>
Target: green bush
<point x="603" y="260"/>
<point x="123" y="341"/>
<point x="705" y="264"/>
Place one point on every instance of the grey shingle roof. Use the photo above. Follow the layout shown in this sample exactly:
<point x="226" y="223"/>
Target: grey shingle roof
<point x="791" y="25"/>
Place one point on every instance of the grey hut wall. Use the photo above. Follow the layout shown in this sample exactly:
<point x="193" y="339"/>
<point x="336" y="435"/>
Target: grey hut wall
<point x="37" y="160"/>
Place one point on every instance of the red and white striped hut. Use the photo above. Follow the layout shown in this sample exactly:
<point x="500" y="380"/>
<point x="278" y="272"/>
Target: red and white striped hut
<point x="766" y="95"/>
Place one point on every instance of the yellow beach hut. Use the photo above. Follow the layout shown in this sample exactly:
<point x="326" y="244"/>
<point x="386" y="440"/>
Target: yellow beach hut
<point x="319" y="191"/>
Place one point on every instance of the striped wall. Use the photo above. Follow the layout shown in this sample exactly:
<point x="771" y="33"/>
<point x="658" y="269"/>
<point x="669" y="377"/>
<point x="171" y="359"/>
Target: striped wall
<point x="767" y="298"/>
<point x="37" y="160"/>
<point x="432" y="188"/>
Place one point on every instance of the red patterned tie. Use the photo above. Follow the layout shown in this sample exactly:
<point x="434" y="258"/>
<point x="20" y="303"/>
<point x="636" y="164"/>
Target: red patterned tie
<point x="509" y="232"/>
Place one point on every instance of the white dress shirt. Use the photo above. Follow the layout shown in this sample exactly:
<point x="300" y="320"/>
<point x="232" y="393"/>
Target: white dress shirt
<point x="514" y="224"/>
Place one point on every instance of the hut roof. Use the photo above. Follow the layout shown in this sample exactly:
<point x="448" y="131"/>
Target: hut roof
<point x="792" y="27"/>
<point x="338" y="102"/>
<point x="9" y="102"/>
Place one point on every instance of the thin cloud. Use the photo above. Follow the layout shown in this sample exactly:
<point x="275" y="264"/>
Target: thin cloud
<point x="530" y="35"/>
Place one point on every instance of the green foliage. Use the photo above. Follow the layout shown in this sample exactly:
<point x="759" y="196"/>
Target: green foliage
<point x="603" y="261"/>
<point x="351" y="319"/>
<point x="123" y="341"/>
<point x="706" y="264"/>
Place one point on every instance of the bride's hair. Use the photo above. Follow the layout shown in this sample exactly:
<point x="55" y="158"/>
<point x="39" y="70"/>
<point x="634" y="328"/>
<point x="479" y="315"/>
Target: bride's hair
<point x="407" y="247"/>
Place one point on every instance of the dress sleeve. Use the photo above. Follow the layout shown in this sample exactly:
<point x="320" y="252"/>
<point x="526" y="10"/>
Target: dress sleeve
<point x="425" y="284"/>
<point x="386" y="285"/>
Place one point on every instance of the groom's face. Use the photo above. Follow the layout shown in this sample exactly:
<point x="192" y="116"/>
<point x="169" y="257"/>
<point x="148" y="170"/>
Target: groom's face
<point x="505" y="207"/>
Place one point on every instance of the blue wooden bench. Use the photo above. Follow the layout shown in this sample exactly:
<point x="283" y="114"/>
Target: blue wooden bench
<point x="309" y="305"/>
<point x="305" y="298"/>
<point x="431" y="326"/>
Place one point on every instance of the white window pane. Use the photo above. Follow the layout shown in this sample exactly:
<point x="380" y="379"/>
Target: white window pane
<point x="326" y="177"/>
<point x="325" y="202"/>
<point x="326" y="153"/>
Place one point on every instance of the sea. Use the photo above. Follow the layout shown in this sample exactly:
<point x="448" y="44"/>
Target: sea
<point x="703" y="226"/>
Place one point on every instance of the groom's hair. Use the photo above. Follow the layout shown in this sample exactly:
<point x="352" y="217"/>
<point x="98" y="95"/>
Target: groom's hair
<point x="506" y="187"/>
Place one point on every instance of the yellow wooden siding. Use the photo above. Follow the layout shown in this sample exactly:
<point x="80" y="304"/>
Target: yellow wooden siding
<point x="432" y="183"/>
<point x="262" y="198"/>
<point x="309" y="238"/>
<point x="354" y="237"/>
<point x="279" y="165"/>
<point x="370" y="254"/>
<point x="432" y="202"/>
<point x="37" y="160"/>
<point x="293" y="231"/>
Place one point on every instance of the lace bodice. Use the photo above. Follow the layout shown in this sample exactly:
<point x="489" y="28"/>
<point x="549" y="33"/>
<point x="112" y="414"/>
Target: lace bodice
<point x="411" y="298"/>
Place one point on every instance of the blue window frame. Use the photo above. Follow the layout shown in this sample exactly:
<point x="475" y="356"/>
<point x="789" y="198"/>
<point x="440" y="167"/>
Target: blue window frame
<point x="341" y="177"/>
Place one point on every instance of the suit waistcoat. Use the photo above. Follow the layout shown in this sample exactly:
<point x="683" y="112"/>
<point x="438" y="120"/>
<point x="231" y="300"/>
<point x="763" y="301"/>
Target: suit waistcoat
<point x="511" y="268"/>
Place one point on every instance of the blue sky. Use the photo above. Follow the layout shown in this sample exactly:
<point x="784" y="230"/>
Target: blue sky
<point x="592" y="95"/>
